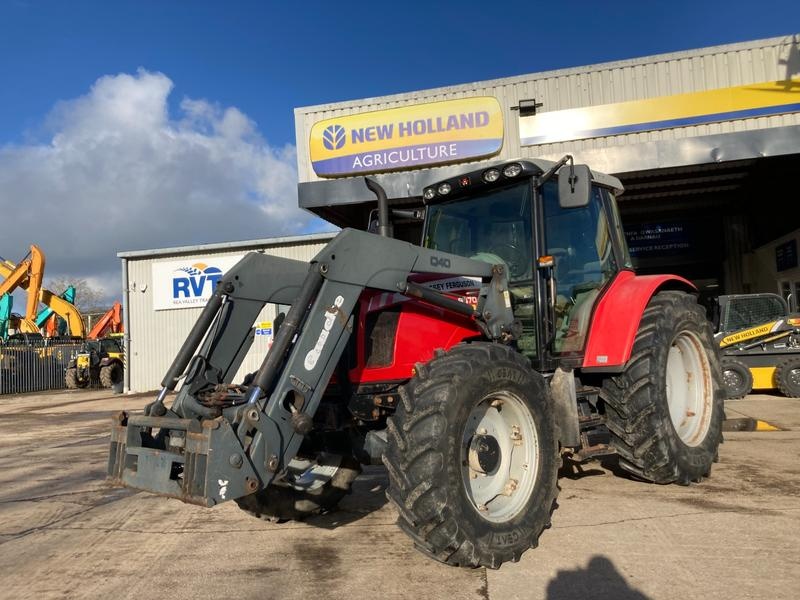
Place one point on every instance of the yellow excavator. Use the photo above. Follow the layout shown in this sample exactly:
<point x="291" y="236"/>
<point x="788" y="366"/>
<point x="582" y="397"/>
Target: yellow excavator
<point x="27" y="275"/>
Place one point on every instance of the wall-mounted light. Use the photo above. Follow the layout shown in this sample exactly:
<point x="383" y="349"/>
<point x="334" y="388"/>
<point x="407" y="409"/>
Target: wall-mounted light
<point x="527" y="107"/>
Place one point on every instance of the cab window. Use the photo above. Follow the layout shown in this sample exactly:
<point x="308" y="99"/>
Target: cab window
<point x="580" y="241"/>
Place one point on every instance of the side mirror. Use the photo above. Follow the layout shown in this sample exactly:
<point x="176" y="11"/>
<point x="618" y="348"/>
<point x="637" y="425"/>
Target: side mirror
<point x="574" y="186"/>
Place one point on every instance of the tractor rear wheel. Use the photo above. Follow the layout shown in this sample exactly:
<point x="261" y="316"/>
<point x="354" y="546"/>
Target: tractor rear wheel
<point x="472" y="456"/>
<point x="787" y="375"/>
<point x="665" y="411"/>
<point x="111" y="375"/>
<point x="310" y="488"/>
<point x="736" y="378"/>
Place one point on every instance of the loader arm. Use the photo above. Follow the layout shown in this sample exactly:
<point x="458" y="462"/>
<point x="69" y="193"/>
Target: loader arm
<point x="212" y="445"/>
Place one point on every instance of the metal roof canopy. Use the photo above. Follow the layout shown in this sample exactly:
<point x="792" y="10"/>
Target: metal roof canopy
<point x="640" y="78"/>
<point x="348" y="202"/>
<point x="206" y="248"/>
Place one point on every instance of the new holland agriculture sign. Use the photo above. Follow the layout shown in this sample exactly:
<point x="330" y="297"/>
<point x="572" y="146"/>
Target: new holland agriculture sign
<point x="664" y="112"/>
<point x="410" y="136"/>
<point x="188" y="283"/>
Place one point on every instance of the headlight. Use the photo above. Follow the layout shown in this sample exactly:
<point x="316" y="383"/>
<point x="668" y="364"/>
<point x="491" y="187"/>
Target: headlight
<point x="512" y="170"/>
<point x="444" y="189"/>
<point x="491" y="175"/>
<point x="429" y="194"/>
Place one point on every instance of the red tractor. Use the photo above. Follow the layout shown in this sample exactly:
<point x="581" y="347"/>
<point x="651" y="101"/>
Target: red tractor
<point x="516" y="335"/>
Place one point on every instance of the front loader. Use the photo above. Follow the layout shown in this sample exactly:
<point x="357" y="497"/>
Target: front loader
<point x="516" y="335"/>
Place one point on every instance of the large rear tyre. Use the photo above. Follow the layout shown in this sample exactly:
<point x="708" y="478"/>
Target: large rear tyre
<point x="111" y="375"/>
<point x="665" y="411"/>
<point x="308" y="489"/>
<point x="472" y="456"/>
<point x="787" y="374"/>
<point x="736" y="378"/>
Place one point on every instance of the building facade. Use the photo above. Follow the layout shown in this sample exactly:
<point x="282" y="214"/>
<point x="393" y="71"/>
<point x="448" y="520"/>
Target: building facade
<point x="165" y="290"/>
<point x="704" y="141"/>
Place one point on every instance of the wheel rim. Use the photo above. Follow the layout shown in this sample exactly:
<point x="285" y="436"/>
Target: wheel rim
<point x="732" y="379"/>
<point x="690" y="391"/>
<point x="499" y="456"/>
<point x="794" y="377"/>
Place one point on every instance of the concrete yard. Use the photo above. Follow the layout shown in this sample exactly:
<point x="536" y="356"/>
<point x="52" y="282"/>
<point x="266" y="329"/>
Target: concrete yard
<point x="65" y="534"/>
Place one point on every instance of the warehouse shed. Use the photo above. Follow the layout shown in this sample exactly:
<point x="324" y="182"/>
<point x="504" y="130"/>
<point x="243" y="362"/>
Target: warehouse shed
<point x="165" y="290"/>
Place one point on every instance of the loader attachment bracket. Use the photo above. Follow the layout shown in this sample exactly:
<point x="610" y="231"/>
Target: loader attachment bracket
<point x="181" y="464"/>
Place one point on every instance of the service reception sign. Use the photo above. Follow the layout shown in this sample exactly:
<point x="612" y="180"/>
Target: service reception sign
<point x="188" y="283"/>
<point x="663" y="112"/>
<point x="420" y="135"/>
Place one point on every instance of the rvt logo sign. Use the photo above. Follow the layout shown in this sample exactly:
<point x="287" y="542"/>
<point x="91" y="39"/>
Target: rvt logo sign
<point x="195" y="281"/>
<point x="333" y="137"/>
<point x="189" y="282"/>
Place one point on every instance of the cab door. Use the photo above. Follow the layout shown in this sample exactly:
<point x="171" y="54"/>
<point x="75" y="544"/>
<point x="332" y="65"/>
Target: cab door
<point x="588" y="252"/>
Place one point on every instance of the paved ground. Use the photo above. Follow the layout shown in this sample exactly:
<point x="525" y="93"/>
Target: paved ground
<point x="64" y="534"/>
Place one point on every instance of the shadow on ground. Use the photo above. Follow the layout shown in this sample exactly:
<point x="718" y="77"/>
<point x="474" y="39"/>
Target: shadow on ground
<point x="368" y="496"/>
<point x="600" y="580"/>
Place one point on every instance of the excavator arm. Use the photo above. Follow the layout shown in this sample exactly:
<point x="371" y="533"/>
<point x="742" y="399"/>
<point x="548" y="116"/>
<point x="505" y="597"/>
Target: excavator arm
<point x="211" y="445"/>
<point x="65" y="310"/>
<point x="111" y="320"/>
<point x="27" y="275"/>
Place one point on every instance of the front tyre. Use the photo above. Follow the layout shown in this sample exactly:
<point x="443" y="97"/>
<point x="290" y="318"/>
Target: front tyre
<point x="472" y="456"/>
<point x="665" y="411"/>
<point x="72" y="381"/>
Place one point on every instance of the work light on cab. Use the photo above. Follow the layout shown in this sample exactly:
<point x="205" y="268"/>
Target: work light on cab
<point x="491" y="175"/>
<point x="444" y="189"/>
<point x="512" y="170"/>
<point x="429" y="194"/>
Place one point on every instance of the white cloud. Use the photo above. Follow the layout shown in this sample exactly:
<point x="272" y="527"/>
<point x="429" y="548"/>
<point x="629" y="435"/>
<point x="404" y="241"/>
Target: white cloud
<point x="118" y="172"/>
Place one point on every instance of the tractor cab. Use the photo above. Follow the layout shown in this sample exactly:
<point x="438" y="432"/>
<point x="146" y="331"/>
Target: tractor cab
<point x="560" y="250"/>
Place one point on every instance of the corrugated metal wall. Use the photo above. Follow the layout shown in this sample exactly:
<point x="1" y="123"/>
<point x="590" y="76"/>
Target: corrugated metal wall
<point x="156" y="336"/>
<point x="662" y="75"/>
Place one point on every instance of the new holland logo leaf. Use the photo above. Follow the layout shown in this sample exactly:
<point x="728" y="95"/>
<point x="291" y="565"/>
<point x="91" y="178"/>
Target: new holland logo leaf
<point x="333" y="137"/>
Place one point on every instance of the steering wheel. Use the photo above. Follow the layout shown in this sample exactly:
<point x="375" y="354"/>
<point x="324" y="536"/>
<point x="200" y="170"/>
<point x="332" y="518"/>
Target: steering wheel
<point x="513" y="256"/>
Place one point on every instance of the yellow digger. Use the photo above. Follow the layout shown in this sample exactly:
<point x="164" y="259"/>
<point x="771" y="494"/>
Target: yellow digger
<point x="27" y="275"/>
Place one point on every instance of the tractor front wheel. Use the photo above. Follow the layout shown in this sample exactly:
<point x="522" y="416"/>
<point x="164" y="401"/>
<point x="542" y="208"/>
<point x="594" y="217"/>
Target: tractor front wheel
<point x="72" y="381"/>
<point x="472" y="456"/>
<point x="665" y="411"/>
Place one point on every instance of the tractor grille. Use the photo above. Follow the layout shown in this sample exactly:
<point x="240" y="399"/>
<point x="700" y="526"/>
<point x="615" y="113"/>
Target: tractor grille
<point x="381" y="330"/>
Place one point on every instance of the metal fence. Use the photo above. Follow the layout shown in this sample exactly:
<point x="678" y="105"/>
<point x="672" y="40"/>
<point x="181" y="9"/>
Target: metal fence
<point x="34" y="365"/>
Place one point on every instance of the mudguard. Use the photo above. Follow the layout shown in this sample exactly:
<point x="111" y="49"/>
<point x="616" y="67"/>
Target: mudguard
<point x="617" y="316"/>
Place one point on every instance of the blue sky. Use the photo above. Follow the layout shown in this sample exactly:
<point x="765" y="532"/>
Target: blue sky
<point x="268" y="57"/>
<point x="128" y="125"/>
